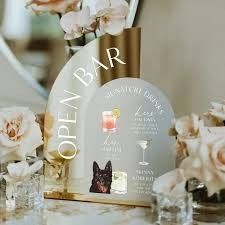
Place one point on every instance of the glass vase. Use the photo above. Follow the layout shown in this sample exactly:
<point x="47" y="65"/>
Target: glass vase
<point x="28" y="194"/>
<point x="170" y="209"/>
<point x="206" y="209"/>
<point x="23" y="194"/>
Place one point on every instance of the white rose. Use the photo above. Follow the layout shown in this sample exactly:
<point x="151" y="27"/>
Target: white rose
<point x="187" y="126"/>
<point x="20" y="134"/>
<point x="206" y="161"/>
<point x="217" y="113"/>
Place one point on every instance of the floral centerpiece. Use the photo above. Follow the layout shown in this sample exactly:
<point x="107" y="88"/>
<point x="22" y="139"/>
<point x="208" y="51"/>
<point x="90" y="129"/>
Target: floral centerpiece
<point x="78" y="20"/>
<point x="20" y="135"/>
<point x="200" y="153"/>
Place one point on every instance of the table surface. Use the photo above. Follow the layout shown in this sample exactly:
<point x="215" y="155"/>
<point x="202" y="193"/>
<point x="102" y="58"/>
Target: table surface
<point x="58" y="212"/>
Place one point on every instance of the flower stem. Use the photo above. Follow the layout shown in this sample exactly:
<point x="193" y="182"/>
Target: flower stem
<point x="67" y="41"/>
<point x="84" y="39"/>
<point x="66" y="178"/>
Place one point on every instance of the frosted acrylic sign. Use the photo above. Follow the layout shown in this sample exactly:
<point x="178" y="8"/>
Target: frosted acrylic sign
<point x="106" y="129"/>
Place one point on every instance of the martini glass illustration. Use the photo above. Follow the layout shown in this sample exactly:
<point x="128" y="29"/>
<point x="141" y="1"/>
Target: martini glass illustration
<point x="144" y="144"/>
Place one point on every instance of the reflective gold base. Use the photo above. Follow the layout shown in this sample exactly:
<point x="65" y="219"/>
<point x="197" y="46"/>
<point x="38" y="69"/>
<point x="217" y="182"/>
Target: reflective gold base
<point x="88" y="198"/>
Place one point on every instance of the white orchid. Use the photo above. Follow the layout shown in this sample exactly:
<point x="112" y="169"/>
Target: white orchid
<point x="56" y="6"/>
<point x="75" y="24"/>
<point x="19" y="172"/>
<point x="171" y="183"/>
<point x="112" y="15"/>
<point x="20" y="134"/>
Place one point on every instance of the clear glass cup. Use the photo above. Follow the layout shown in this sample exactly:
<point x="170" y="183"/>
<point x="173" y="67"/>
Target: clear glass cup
<point x="173" y="210"/>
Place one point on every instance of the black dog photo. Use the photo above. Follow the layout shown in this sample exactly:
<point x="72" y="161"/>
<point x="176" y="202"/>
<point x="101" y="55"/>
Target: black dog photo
<point x="102" y="179"/>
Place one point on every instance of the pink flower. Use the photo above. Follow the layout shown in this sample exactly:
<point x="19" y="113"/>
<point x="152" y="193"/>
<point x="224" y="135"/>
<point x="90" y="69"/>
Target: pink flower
<point x="56" y="6"/>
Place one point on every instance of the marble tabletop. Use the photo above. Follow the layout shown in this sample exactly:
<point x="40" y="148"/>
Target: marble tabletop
<point x="58" y="212"/>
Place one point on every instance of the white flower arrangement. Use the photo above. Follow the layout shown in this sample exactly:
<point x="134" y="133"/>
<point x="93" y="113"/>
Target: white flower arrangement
<point x="20" y="135"/>
<point x="203" y="152"/>
<point x="109" y="16"/>
<point x="19" y="172"/>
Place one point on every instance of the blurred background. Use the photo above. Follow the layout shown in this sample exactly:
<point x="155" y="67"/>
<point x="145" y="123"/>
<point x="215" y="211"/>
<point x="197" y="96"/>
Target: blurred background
<point x="36" y="41"/>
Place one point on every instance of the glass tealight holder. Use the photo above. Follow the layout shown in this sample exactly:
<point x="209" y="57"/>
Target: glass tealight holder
<point x="26" y="195"/>
<point x="173" y="209"/>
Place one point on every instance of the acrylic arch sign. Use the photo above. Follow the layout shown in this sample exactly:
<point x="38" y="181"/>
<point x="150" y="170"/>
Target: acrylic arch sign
<point x="106" y="129"/>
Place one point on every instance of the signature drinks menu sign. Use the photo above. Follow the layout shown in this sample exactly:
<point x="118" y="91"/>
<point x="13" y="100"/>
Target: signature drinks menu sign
<point x="106" y="128"/>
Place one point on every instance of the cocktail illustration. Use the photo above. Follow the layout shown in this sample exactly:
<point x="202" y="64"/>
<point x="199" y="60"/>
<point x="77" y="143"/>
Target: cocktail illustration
<point x="144" y="144"/>
<point x="108" y="122"/>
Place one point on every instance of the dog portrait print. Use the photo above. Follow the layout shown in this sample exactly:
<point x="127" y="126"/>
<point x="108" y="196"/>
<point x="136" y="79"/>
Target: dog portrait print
<point x="102" y="178"/>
